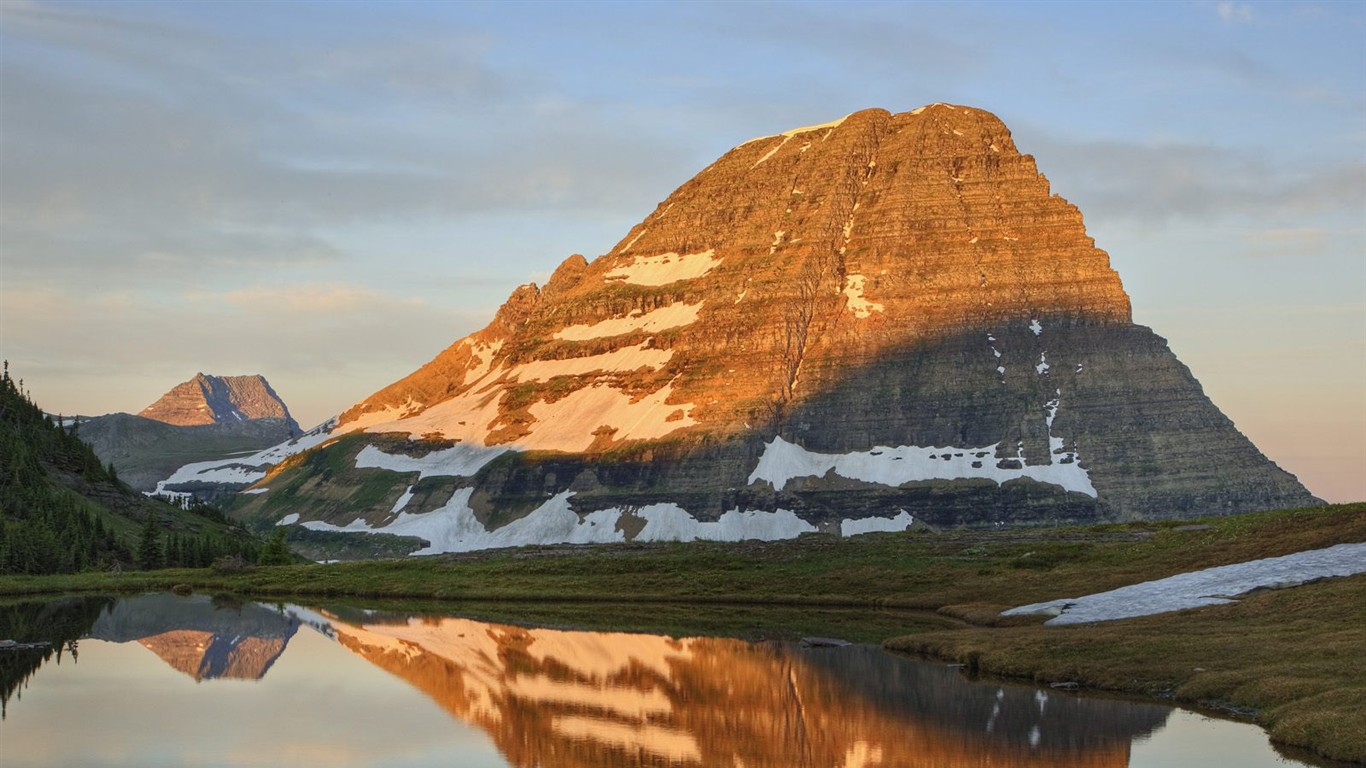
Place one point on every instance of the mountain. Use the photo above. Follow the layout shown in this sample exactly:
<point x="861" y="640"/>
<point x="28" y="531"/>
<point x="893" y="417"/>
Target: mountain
<point x="204" y="419"/>
<point x="884" y="320"/>
<point x="219" y="400"/>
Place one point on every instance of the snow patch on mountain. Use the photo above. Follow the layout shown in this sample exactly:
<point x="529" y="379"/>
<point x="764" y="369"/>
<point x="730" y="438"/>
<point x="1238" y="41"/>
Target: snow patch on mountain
<point x="893" y="466"/>
<point x="675" y="315"/>
<point x="853" y="290"/>
<point x="454" y="527"/>
<point x="461" y="460"/>
<point x="625" y="360"/>
<point x="854" y="527"/>
<point x="244" y="470"/>
<point x="665" y="268"/>
<point x="573" y="422"/>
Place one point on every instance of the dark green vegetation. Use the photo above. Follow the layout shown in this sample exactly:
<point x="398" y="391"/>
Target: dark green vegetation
<point x="62" y="511"/>
<point x="1296" y="656"/>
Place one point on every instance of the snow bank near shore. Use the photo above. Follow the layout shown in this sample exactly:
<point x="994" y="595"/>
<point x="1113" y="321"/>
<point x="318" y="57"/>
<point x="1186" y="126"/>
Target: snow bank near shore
<point x="1212" y="586"/>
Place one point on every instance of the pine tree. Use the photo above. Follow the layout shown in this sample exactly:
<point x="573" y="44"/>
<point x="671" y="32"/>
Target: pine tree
<point x="150" y="555"/>
<point x="276" y="552"/>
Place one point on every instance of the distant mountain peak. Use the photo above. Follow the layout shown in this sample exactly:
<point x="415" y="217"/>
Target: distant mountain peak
<point x="208" y="399"/>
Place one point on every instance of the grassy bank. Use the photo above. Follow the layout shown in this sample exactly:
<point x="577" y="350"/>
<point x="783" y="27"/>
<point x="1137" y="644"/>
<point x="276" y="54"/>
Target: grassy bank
<point x="1295" y="657"/>
<point x="1294" y="660"/>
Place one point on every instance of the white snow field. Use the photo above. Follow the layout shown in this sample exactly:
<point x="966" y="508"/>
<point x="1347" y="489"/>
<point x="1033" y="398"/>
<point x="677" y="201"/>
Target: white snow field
<point x="1212" y="586"/>
<point x="886" y="465"/>
<point x="454" y="527"/>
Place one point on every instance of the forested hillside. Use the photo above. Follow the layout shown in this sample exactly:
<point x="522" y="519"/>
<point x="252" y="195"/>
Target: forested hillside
<point x="62" y="511"/>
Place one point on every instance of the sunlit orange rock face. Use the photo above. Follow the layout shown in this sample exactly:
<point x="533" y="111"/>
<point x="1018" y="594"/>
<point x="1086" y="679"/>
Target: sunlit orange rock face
<point x="219" y="400"/>
<point x="594" y="700"/>
<point x="789" y="262"/>
<point x="838" y="328"/>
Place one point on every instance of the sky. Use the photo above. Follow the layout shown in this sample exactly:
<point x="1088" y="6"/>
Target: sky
<point x="330" y="194"/>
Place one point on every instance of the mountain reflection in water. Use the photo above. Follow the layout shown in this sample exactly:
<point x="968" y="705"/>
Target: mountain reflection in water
<point x="202" y="637"/>
<point x="575" y="699"/>
<point x="600" y="699"/>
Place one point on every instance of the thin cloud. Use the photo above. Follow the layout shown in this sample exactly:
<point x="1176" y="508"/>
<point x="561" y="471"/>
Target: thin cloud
<point x="1303" y="241"/>
<point x="1234" y="13"/>
<point x="1169" y="181"/>
<point x="333" y="343"/>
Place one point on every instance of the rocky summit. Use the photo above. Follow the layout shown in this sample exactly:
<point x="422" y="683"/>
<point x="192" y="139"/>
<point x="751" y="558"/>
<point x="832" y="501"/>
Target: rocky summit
<point x="206" y="418"/>
<point x="218" y="400"/>
<point x="883" y="321"/>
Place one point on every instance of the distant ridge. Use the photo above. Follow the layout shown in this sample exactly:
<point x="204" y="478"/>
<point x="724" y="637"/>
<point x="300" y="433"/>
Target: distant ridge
<point x="204" y="419"/>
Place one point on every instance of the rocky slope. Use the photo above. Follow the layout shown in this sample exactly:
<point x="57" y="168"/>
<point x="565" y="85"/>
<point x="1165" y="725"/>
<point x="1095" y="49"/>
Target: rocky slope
<point x="204" y="419"/>
<point x="219" y="399"/>
<point x="848" y="327"/>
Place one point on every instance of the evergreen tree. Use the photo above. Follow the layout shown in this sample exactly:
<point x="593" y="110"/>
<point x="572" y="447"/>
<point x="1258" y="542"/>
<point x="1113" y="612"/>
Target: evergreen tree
<point x="150" y="555"/>
<point x="276" y="552"/>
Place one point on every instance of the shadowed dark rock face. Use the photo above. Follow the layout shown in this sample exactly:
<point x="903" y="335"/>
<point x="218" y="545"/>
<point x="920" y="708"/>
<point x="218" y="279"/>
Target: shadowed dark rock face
<point x="888" y="314"/>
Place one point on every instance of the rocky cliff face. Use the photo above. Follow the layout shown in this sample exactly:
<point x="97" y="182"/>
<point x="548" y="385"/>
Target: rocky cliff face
<point x="846" y="327"/>
<point x="218" y="400"/>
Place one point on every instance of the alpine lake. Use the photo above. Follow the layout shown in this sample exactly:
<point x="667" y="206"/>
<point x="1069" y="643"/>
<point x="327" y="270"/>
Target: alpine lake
<point x="166" y="680"/>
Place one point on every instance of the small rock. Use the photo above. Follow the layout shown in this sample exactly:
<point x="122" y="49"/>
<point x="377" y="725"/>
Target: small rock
<point x="1066" y="685"/>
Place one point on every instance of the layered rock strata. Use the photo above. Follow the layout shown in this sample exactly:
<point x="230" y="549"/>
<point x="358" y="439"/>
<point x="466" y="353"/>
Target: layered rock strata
<point x="845" y="327"/>
<point x="219" y="399"/>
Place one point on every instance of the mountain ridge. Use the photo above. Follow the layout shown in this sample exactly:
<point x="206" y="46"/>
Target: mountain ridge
<point x="205" y="418"/>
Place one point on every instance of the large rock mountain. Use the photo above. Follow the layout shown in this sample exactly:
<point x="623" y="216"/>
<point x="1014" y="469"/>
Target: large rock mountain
<point x="218" y="400"/>
<point x="845" y="327"/>
<point x="206" y="418"/>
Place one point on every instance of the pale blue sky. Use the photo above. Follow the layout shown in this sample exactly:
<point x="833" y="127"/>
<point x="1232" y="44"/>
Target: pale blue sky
<point x="329" y="194"/>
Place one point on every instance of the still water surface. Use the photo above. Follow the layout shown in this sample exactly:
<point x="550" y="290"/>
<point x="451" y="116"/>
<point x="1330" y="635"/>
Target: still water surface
<point x="160" y="680"/>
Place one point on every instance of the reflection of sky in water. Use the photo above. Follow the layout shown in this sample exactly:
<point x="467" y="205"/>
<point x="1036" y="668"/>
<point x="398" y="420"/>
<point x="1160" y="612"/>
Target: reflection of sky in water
<point x="319" y="705"/>
<point x="1191" y="740"/>
<point x="457" y="690"/>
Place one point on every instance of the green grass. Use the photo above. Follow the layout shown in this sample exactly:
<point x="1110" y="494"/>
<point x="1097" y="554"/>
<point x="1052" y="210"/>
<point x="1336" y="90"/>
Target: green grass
<point x="1295" y="657"/>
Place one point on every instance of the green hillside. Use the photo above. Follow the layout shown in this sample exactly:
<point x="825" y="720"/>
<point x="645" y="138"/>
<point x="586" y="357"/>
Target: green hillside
<point x="62" y="511"/>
